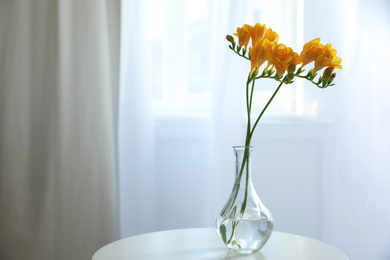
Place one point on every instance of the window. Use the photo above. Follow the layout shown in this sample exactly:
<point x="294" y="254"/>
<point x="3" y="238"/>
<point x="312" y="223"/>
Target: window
<point x="181" y="34"/>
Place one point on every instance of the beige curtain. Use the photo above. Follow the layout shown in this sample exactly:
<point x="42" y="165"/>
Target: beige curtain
<point x="59" y="73"/>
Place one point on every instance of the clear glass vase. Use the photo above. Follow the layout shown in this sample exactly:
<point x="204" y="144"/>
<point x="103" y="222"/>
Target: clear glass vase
<point x="244" y="223"/>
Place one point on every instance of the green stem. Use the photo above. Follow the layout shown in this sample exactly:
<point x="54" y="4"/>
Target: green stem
<point x="249" y="105"/>
<point x="253" y="85"/>
<point x="249" y="138"/>
<point x="245" y="159"/>
<point x="262" y="112"/>
<point x="234" y="224"/>
<point x="239" y="54"/>
<point x="243" y="207"/>
<point x="318" y="84"/>
<point x="248" y="108"/>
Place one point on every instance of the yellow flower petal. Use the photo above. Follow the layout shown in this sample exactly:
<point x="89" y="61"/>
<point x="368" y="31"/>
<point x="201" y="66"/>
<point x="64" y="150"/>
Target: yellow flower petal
<point x="310" y="52"/>
<point x="327" y="59"/>
<point x="243" y="36"/>
<point x="282" y="57"/>
<point x="271" y="35"/>
<point x="256" y="32"/>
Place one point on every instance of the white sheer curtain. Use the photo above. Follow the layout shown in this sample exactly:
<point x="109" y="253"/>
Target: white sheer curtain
<point x="358" y="215"/>
<point x="59" y="82"/>
<point x="349" y="129"/>
<point x="136" y="126"/>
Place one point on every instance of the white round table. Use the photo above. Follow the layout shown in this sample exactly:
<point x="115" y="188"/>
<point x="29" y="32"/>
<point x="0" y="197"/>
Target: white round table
<point x="204" y="243"/>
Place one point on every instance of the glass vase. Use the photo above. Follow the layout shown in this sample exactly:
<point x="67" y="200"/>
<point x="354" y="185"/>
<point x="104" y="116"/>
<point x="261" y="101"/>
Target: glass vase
<point x="244" y="223"/>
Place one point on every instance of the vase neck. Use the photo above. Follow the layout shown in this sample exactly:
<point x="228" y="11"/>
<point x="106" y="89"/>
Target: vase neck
<point x="243" y="160"/>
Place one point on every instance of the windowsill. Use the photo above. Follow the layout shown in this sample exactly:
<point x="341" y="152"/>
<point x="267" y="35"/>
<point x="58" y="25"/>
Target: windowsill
<point x="187" y="118"/>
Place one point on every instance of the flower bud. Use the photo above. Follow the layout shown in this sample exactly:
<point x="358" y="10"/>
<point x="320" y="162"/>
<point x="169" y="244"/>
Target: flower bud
<point x="230" y="38"/>
<point x="327" y="73"/>
<point x="291" y="68"/>
<point x="290" y="76"/>
<point x="332" y="77"/>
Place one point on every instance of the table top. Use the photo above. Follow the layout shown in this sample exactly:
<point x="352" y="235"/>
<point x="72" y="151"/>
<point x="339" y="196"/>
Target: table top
<point x="204" y="243"/>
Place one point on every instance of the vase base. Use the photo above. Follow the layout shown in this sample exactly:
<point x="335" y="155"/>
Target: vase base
<point x="245" y="236"/>
<point x="244" y="252"/>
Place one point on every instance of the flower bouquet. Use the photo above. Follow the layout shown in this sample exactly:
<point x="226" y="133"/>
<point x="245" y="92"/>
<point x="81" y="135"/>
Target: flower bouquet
<point x="244" y="223"/>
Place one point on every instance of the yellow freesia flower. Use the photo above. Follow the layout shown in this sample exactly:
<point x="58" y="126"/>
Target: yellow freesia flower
<point x="257" y="33"/>
<point x="311" y="51"/>
<point x="323" y="56"/>
<point x="271" y="35"/>
<point x="260" y="53"/>
<point x="327" y="59"/>
<point x="265" y="47"/>
<point x="243" y="35"/>
<point x="262" y="41"/>
<point x="281" y="57"/>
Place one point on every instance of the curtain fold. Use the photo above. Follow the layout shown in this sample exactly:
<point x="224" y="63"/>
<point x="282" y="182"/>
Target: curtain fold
<point x="136" y="124"/>
<point x="59" y="79"/>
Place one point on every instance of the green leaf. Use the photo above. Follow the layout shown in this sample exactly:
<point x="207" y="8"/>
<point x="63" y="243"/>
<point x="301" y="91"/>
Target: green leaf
<point x="222" y="232"/>
<point x="300" y="70"/>
<point x="320" y="80"/>
<point x="234" y="242"/>
<point x="243" y="207"/>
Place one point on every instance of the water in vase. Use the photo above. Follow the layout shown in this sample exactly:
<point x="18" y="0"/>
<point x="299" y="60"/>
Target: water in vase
<point x="245" y="235"/>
